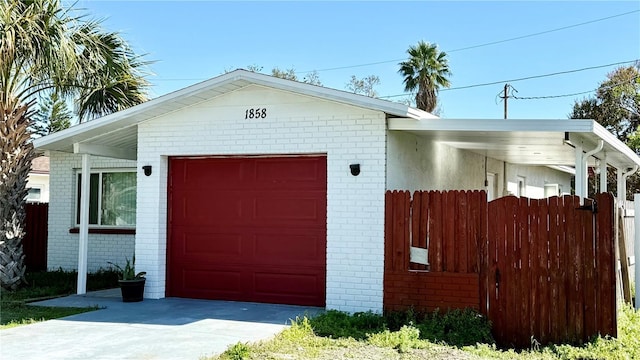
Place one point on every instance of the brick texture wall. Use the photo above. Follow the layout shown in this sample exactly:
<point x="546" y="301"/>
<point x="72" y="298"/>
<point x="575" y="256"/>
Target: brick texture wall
<point x="62" y="250"/>
<point x="427" y="291"/>
<point x="294" y="124"/>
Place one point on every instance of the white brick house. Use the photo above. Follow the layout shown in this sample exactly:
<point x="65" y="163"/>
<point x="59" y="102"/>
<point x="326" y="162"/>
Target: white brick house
<point x="249" y="193"/>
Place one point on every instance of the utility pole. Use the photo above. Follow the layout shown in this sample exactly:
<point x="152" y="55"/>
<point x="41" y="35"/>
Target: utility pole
<point x="505" y="97"/>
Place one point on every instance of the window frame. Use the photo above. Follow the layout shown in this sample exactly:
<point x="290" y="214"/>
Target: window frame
<point x="99" y="172"/>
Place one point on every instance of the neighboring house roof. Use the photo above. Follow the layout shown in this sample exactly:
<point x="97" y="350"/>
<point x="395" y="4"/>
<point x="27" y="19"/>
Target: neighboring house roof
<point x="40" y="165"/>
<point x="530" y="142"/>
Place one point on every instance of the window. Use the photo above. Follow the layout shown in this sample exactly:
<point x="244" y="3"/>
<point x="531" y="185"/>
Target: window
<point x="35" y="194"/>
<point x="112" y="198"/>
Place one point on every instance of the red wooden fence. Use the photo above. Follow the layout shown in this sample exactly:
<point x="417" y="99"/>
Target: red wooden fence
<point x="541" y="268"/>
<point x="35" y="241"/>
<point x="448" y="224"/>
<point x="550" y="270"/>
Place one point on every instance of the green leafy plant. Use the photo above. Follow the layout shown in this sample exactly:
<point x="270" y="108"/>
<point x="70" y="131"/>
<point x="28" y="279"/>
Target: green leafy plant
<point x="129" y="270"/>
<point x="238" y="351"/>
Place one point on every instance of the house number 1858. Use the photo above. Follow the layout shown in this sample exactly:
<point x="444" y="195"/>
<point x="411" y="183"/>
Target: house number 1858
<point x="257" y="113"/>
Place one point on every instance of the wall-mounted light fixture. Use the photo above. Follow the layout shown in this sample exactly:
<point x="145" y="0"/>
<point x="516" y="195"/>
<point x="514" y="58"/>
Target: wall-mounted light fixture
<point x="355" y="169"/>
<point x="147" y="170"/>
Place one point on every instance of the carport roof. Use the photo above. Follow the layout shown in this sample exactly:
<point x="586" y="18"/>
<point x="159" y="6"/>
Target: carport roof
<point x="548" y="142"/>
<point x="531" y="142"/>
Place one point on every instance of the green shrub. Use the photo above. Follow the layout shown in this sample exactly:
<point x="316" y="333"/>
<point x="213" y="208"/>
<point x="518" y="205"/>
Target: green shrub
<point x="338" y="324"/>
<point x="408" y="337"/>
<point x="455" y="327"/>
<point x="397" y="319"/>
<point x="238" y="351"/>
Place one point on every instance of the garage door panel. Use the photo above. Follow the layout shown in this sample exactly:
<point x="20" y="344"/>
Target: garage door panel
<point x="248" y="229"/>
<point x="304" y="173"/>
<point x="299" y="249"/>
<point x="206" y="244"/>
<point x="288" y="208"/>
<point x="274" y="283"/>
<point x="223" y="281"/>
<point x="264" y="246"/>
<point x="227" y="172"/>
<point x="197" y="208"/>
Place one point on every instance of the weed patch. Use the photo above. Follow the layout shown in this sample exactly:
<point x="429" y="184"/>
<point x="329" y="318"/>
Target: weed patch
<point x="455" y="327"/>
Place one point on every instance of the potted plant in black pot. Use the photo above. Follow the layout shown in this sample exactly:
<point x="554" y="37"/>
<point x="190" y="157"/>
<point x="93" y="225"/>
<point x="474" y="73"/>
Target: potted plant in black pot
<point x="131" y="283"/>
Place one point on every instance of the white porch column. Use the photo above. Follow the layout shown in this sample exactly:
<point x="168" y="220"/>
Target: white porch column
<point x="636" y="222"/>
<point x="581" y="174"/>
<point x="84" y="224"/>
<point x="621" y="187"/>
<point x="603" y="173"/>
<point x="622" y="184"/>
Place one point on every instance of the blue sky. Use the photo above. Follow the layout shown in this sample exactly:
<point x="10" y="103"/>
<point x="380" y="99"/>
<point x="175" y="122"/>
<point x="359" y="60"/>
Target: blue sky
<point x="194" y="41"/>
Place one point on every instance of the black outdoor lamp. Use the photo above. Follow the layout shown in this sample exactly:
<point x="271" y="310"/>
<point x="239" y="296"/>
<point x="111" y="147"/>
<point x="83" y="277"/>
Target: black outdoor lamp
<point x="355" y="169"/>
<point x="147" y="170"/>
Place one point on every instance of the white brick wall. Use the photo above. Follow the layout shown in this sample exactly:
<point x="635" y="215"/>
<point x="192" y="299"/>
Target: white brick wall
<point x="295" y="124"/>
<point x="62" y="250"/>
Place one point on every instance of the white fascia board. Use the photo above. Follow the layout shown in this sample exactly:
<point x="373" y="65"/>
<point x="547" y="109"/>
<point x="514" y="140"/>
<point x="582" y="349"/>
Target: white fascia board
<point x="563" y="168"/>
<point x="497" y="125"/>
<point x="614" y="142"/>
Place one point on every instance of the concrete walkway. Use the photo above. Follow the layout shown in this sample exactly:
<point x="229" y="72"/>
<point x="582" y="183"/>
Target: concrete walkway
<point x="168" y="328"/>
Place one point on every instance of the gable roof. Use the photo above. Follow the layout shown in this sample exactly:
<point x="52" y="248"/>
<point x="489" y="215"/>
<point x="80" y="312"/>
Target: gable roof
<point x="116" y="129"/>
<point x="116" y="135"/>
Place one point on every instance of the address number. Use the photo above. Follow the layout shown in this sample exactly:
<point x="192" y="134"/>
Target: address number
<point x="257" y="113"/>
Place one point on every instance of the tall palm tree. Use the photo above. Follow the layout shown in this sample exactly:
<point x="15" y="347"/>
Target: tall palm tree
<point x="45" y="48"/>
<point x="425" y="72"/>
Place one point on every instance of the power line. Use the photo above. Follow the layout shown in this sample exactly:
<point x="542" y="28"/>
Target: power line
<point x="480" y="45"/>
<point x="544" y="32"/>
<point x="449" y="51"/>
<point x="574" y="94"/>
<point x="523" y="78"/>
<point x="551" y="96"/>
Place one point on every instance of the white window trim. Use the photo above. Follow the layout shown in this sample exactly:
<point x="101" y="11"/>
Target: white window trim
<point x="98" y="171"/>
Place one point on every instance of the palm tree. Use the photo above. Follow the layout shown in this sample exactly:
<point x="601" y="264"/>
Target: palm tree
<point x="424" y="72"/>
<point x="46" y="48"/>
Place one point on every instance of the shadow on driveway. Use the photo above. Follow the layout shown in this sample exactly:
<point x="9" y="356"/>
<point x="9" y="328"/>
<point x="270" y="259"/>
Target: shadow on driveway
<point x="170" y="328"/>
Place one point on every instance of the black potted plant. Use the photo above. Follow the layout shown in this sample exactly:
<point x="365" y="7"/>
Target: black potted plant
<point x="131" y="283"/>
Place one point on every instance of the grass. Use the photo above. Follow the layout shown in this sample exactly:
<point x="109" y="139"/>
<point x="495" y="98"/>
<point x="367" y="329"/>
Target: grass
<point x="14" y="305"/>
<point x="336" y="335"/>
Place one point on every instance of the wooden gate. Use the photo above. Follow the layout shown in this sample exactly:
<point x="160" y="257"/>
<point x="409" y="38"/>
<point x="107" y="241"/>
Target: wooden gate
<point x="34" y="244"/>
<point x="545" y="268"/>
<point x="549" y="269"/>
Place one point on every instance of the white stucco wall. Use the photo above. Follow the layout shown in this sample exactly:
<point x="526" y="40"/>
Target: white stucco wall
<point x="295" y="124"/>
<point x="419" y="163"/>
<point x="39" y="181"/>
<point x="62" y="248"/>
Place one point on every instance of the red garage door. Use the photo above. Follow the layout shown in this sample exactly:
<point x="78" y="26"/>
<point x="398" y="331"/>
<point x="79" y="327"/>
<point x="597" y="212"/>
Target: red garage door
<point x="248" y="229"/>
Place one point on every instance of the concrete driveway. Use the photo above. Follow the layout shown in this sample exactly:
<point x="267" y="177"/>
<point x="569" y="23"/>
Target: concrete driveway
<point x="168" y="328"/>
